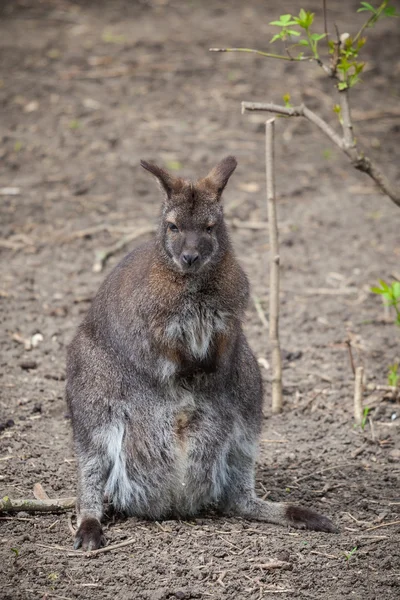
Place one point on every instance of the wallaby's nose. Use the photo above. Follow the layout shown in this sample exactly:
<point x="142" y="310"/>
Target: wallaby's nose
<point x="189" y="259"/>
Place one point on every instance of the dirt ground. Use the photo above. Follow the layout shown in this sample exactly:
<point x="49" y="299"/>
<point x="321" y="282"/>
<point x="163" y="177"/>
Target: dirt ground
<point x="86" y="90"/>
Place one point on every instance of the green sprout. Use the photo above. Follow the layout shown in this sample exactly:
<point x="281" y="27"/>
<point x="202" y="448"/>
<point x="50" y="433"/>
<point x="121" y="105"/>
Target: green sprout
<point x="393" y="376"/>
<point x="391" y="293"/>
<point x="366" y="412"/>
<point x="348" y="555"/>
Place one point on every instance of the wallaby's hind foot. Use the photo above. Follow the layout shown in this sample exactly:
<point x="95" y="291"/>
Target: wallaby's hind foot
<point x="89" y="535"/>
<point x="283" y="514"/>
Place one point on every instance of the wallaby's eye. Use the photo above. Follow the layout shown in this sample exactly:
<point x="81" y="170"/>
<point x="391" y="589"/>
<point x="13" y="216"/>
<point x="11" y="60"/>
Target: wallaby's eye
<point x="172" y="227"/>
<point x="210" y="228"/>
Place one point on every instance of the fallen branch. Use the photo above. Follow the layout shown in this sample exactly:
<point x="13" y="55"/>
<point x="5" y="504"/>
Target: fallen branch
<point x="346" y="144"/>
<point x="382" y="388"/>
<point x="277" y="400"/>
<point x="274" y="564"/>
<point x="30" y="505"/>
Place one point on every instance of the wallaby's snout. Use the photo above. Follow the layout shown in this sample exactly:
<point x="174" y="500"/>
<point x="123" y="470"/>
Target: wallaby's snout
<point x="190" y="259"/>
<point x="197" y="250"/>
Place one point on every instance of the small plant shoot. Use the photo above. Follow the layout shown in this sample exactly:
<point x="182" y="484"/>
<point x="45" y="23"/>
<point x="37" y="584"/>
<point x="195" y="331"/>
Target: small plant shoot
<point x="393" y="376"/>
<point x="348" y="555"/>
<point x="391" y="294"/>
<point x="366" y="412"/>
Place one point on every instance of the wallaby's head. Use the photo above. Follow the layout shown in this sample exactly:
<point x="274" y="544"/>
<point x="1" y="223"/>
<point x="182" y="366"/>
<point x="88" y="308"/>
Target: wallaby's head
<point x="192" y="231"/>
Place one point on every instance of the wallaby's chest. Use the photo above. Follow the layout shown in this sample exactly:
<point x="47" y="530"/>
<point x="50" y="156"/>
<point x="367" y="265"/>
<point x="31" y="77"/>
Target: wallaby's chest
<point x="196" y="328"/>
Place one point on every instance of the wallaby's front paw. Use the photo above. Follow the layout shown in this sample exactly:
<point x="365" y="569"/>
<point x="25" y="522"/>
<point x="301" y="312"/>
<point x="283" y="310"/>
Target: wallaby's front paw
<point x="89" y="535"/>
<point x="304" y="518"/>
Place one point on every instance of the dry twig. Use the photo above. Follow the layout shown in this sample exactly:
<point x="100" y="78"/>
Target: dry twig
<point x="274" y="564"/>
<point x="358" y="394"/>
<point x="274" y="272"/>
<point x="384" y="525"/>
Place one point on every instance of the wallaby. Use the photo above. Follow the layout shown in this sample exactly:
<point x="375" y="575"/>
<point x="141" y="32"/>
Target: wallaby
<point x="164" y="392"/>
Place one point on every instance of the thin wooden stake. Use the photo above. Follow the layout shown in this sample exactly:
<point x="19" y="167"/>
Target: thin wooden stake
<point x="358" y="394"/>
<point x="274" y="271"/>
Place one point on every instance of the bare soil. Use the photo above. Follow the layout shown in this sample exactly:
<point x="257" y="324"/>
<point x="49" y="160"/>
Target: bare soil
<point x="89" y="88"/>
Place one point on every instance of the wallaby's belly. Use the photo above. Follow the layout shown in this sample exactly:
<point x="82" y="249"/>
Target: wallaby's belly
<point x="175" y="465"/>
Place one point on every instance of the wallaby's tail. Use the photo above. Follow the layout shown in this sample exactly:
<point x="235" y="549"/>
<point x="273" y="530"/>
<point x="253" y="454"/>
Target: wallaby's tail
<point x="284" y="514"/>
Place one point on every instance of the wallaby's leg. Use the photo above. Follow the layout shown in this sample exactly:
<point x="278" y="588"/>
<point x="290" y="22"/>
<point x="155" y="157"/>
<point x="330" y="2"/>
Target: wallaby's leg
<point x="93" y="472"/>
<point x="242" y="501"/>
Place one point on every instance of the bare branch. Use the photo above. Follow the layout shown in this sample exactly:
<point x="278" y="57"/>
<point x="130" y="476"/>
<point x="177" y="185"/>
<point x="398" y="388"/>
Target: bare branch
<point x="358" y="159"/>
<point x="267" y="54"/>
<point x="345" y="120"/>
<point x="296" y="111"/>
<point x="274" y="271"/>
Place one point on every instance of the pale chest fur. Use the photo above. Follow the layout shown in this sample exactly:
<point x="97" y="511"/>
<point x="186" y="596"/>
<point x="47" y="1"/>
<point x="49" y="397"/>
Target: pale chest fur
<point x="195" y="327"/>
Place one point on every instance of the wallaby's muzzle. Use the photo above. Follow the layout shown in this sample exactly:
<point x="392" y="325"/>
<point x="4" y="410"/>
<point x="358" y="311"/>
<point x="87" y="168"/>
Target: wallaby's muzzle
<point x="189" y="259"/>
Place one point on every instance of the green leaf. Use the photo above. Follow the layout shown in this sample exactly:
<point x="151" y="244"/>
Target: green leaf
<point x="285" y="18"/>
<point x="390" y="11"/>
<point x="317" y="36"/>
<point x="353" y="79"/>
<point x="286" y="99"/>
<point x="396" y="289"/>
<point x="384" y="285"/>
<point x="292" y="32"/>
<point x="278" y="36"/>
<point x="337" y="109"/>
<point x="302" y="14"/>
<point x="303" y="43"/>
<point x="16" y="551"/>
<point x="283" y="23"/>
<point x="309" y="18"/>
<point x="368" y="7"/>
<point x="342" y="85"/>
<point x="376" y="290"/>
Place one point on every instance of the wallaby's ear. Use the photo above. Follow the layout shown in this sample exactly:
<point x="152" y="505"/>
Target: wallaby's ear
<point x="167" y="182"/>
<point x="218" y="177"/>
